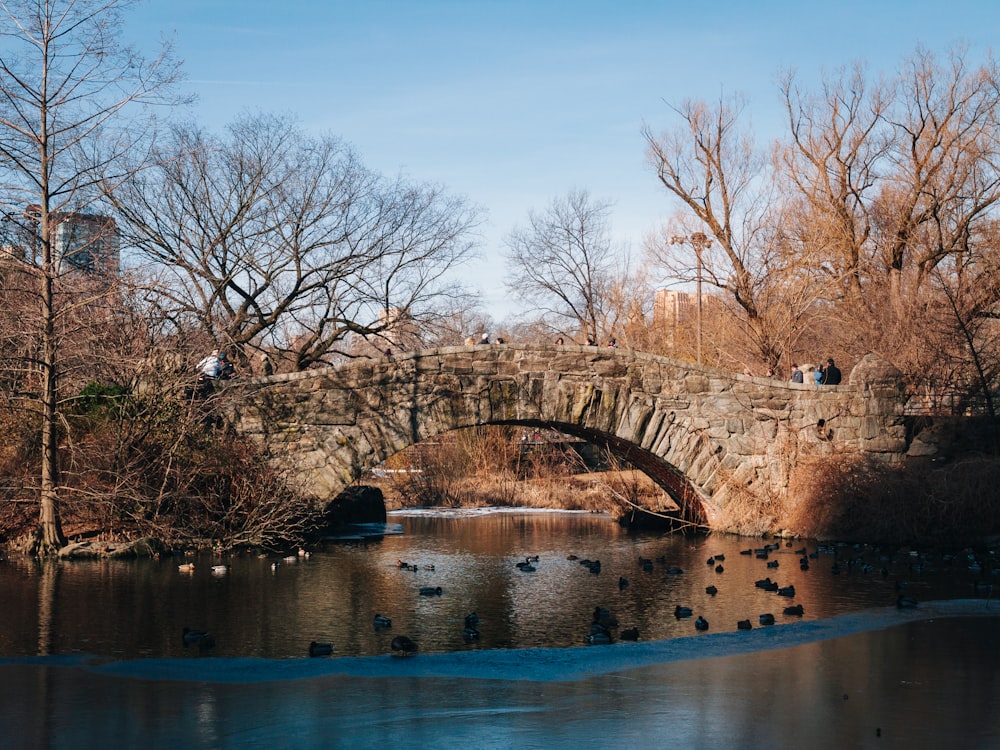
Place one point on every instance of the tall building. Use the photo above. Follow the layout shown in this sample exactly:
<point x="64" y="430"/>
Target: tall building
<point x="675" y="314"/>
<point x="86" y="242"/>
<point x="672" y="308"/>
<point x="81" y="242"/>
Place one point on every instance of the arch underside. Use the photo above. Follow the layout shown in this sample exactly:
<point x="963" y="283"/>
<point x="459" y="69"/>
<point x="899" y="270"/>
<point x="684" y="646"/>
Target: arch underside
<point x="666" y="476"/>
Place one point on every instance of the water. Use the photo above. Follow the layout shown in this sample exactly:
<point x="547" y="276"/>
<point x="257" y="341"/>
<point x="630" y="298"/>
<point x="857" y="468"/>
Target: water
<point x="137" y="609"/>
<point x="88" y="650"/>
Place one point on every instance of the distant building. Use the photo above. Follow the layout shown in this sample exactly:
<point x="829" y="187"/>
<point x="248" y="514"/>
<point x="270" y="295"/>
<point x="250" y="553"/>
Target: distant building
<point x="86" y="242"/>
<point x="672" y="308"/>
<point x="80" y="241"/>
<point x="675" y="314"/>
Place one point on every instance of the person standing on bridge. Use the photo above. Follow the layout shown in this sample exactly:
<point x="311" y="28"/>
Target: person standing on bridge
<point x="796" y="374"/>
<point x="485" y="339"/>
<point x="209" y="366"/>
<point x="831" y="374"/>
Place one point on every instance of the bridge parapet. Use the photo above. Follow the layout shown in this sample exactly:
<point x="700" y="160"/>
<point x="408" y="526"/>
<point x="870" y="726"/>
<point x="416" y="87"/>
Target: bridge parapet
<point x="698" y="431"/>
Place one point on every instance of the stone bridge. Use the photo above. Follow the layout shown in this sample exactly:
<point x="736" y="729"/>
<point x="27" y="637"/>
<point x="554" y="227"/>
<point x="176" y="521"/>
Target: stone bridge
<point x="702" y="434"/>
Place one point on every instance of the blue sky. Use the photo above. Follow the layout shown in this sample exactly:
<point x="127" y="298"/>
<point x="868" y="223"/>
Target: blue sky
<point x="514" y="103"/>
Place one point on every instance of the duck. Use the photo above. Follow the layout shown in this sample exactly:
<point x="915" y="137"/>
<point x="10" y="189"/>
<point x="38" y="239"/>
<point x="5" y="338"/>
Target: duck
<point x="772" y="563"/>
<point x="431" y="591"/>
<point x="629" y="634"/>
<point x="622" y="582"/>
<point x="766" y="619"/>
<point x="786" y="591"/>
<point x="382" y="622"/>
<point x="192" y="637"/>
<point x="680" y="612"/>
<point x="470" y="634"/>
<point x="744" y="625"/>
<point x="711" y="590"/>
<point x="200" y="638"/>
<point x="220" y="570"/>
<point x="320" y="649"/>
<point x="186" y="567"/>
<point x="719" y="569"/>
<point x="599" y="638"/>
<point x="701" y="623"/>
<point x="403" y="646"/>
<point x="795" y="610"/>
<point x="604" y="618"/>
<point x="471" y="620"/>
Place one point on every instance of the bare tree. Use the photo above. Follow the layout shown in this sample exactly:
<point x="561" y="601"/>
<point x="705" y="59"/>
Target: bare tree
<point x="66" y="85"/>
<point x="726" y="235"/>
<point x="894" y="182"/>
<point x="564" y="265"/>
<point x="271" y="238"/>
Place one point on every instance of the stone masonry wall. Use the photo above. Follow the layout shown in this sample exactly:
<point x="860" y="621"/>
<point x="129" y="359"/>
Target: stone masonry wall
<point x="692" y="428"/>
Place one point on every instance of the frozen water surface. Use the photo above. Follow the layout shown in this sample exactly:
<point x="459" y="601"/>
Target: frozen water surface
<point x="914" y="678"/>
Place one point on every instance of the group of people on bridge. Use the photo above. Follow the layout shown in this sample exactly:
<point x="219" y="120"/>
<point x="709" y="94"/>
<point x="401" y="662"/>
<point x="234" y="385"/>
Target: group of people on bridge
<point x="822" y="374"/>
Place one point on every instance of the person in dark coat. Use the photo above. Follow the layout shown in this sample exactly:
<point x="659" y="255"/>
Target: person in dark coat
<point x="831" y="374"/>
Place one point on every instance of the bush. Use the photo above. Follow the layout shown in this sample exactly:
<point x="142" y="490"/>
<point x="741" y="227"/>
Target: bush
<point x="920" y="501"/>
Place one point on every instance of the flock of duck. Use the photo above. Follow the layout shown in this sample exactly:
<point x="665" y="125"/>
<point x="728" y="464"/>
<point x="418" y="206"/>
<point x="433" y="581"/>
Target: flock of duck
<point x="604" y="623"/>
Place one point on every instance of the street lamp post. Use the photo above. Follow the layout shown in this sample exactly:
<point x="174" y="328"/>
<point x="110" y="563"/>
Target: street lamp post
<point x="700" y="242"/>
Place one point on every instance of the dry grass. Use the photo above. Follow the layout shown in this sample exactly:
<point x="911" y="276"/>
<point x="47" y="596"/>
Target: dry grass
<point x="919" y="502"/>
<point x="747" y="512"/>
<point x="589" y="492"/>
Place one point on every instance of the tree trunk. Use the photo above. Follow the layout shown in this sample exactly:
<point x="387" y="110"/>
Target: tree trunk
<point x="49" y="536"/>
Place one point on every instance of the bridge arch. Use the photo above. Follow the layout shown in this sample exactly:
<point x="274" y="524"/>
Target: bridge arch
<point x="698" y="432"/>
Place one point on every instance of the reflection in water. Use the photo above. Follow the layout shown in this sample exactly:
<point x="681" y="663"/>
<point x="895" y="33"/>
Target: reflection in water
<point x="130" y="609"/>
<point x="48" y="580"/>
<point x="920" y="685"/>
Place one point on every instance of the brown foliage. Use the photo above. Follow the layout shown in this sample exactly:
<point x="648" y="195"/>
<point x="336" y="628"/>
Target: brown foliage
<point x="155" y="464"/>
<point x="491" y="466"/>
<point x="919" y="501"/>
